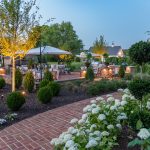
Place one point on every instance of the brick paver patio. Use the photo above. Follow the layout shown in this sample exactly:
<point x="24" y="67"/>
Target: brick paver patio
<point x="36" y="133"/>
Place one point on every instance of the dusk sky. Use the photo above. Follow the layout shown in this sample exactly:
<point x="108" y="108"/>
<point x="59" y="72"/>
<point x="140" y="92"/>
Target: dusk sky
<point x="122" y="21"/>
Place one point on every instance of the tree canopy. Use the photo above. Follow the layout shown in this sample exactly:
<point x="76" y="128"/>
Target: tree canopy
<point x="140" y="52"/>
<point x="99" y="46"/>
<point x="61" y="36"/>
<point x="16" y="29"/>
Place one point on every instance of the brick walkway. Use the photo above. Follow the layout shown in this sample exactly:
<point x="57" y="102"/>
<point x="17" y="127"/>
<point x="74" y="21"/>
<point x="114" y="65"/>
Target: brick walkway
<point x="36" y="133"/>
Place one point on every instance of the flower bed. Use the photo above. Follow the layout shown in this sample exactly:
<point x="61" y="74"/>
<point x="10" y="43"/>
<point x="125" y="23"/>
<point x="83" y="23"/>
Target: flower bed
<point x="100" y="125"/>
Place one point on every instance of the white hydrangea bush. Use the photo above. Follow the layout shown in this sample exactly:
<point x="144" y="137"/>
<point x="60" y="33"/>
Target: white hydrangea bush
<point x="100" y="124"/>
<point x="98" y="127"/>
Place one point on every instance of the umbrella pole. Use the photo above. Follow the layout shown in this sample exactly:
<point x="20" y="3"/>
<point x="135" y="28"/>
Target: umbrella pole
<point x="40" y="61"/>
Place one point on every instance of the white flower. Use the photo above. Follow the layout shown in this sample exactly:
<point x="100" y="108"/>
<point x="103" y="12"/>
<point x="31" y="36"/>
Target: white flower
<point x="87" y="131"/>
<point x="95" y="110"/>
<point x="93" y="126"/>
<point x="56" y="141"/>
<point x="110" y="127"/>
<point x="125" y="97"/>
<point x="122" y="116"/>
<point x="93" y="101"/>
<point x="101" y="117"/>
<point x="120" y="90"/>
<point x="69" y="143"/>
<point x="126" y="91"/>
<point x="84" y="116"/>
<point x="91" y="143"/>
<point x="123" y="103"/>
<point x="74" y="121"/>
<point x="144" y="134"/>
<point x="81" y="121"/>
<point x="73" y="148"/>
<point x="118" y="126"/>
<point x="2" y="121"/>
<point x="109" y="95"/>
<point x="148" y="105"/>
<point x="117" y="102"/>
<point x="97" y="133"/>
<point x="99" y="99"/>
<point x="72" y="130"/>
<point x="87" y="108"/>
<point x="80" y="132"/>
<point x="110" y="99"/>
<point x="67" y="137"/>
<point x="105" y="133"/>
<point x="113" y="107"/>
<point x="93" y="105"/>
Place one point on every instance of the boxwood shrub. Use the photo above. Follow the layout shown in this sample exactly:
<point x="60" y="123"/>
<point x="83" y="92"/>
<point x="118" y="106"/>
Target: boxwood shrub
<point x="44" y="83"/>
<point x="55" y="86"/>
<point x="45" y="94"/>
<point x="15" y="101"/>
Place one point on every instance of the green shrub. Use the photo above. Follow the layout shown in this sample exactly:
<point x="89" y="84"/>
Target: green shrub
<point x="18" y="78"/>
<point x="77" y="59"/>
<point x="48" y="76"/>
<point x="93" y="90"/>
<point x="144" y="116"/>
<point x="139" y="88"/>
<point x="2" y="83"/>
<point x="55" y="88"/>
<point x="121" y="72"/>
<point x="75" y="66"/>
<point x="15" y="101"/>
<point x="105" y="86"/>
<point x="30" y="64"/>
<point x="43" y="83"/>
<point x="128" y="76"/>
<point x="28" y="82"/>
<point x="89" y="74"/>
<point x="143" y="76"/>
<point x="121" y="84"/>
<point x="45" y="94"/>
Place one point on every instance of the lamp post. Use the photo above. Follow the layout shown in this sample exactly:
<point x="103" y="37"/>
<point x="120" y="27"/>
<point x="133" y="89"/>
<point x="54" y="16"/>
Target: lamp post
<point x="49" y="20"/>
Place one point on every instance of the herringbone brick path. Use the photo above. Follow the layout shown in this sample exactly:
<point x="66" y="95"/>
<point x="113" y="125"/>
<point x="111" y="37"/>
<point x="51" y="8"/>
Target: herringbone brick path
<point x="36" y="133"/>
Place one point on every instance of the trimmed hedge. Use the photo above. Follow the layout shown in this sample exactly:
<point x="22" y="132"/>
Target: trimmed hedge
<point x="103" y="86"/>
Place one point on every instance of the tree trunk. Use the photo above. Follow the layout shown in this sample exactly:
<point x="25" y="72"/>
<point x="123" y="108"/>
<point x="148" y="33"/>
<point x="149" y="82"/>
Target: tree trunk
<point x="141" y="71"/>
<point x="13" y="74"/>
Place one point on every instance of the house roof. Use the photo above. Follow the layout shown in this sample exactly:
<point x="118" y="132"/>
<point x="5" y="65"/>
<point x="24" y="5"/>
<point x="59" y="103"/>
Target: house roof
<point x="113" y="50"/>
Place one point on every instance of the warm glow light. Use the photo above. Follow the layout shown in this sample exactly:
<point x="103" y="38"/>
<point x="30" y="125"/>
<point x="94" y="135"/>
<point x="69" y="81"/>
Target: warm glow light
<point x="83" y="73"/>
<point x="2" y="71"/>
<point x="120" y="54"/>
<point x="128" y="70"/>
<point x="23" y="93"/>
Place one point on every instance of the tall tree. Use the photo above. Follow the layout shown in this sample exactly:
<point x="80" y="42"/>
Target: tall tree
<point x="16" y="34"/>
<point x="99" y="46"/>
<point x="62" y="36"/>
<point x="140" y="53"/>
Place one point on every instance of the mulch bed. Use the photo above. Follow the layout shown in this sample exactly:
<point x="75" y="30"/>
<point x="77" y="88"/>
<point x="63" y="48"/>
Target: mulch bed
<point x="33" y="107"/>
